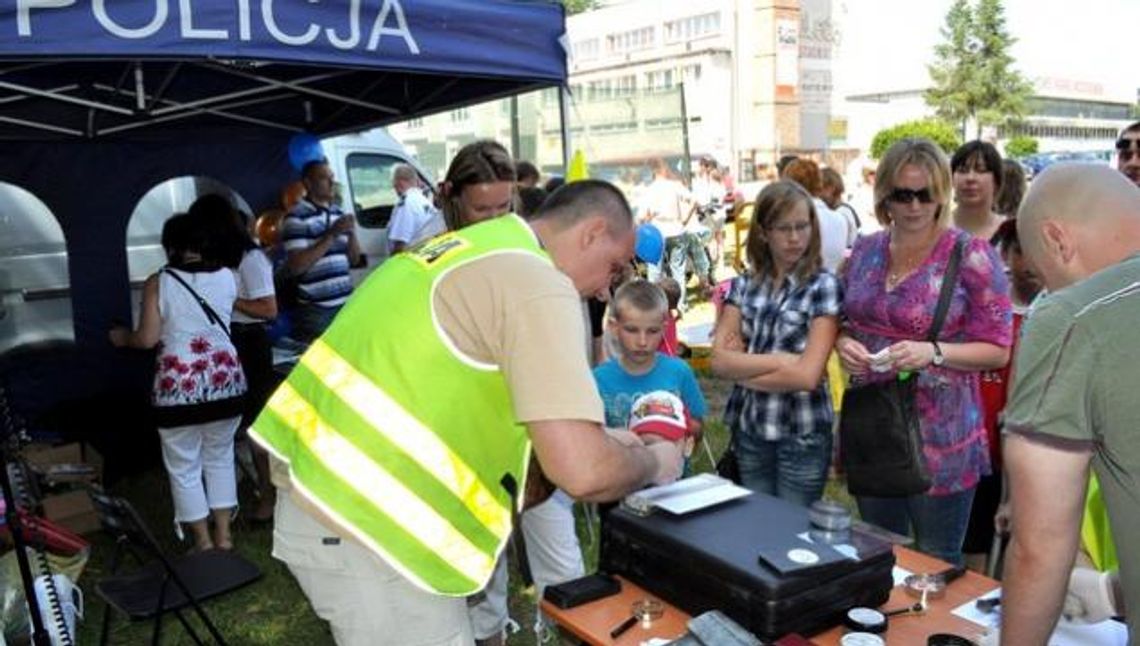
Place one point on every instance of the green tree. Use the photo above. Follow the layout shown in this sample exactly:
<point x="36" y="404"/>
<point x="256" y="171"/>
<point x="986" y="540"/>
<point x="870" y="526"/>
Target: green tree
<point x="973" y="74"/>
<point x="935" y="130"/>
<point x="1020" y="146"/>
<point x="578" y="6"/>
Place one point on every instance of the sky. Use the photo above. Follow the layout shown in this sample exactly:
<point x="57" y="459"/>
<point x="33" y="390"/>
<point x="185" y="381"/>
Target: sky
<point x="1082" y="40"/>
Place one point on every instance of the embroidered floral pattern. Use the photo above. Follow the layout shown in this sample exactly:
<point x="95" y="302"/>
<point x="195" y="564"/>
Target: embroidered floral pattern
<point x="196" y="370"/>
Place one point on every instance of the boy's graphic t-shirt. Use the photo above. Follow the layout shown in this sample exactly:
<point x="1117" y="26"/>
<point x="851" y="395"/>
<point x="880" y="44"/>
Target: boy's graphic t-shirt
<point x="620" y="389"/>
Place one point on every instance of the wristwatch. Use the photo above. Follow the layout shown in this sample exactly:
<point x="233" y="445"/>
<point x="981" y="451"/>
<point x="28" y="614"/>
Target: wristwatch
<point x="938" y="359"/>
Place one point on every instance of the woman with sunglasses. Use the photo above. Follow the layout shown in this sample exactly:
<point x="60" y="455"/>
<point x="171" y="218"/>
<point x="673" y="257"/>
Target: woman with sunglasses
<point x="891" y="284"/>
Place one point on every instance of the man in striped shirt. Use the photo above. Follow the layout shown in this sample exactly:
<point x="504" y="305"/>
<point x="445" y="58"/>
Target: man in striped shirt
<point x="321" y="245"/>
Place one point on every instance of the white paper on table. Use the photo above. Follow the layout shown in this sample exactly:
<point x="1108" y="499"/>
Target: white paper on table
<point x="686" y="495"/>
<point x="1067" y="633"/>
<point x="899" y="574"/>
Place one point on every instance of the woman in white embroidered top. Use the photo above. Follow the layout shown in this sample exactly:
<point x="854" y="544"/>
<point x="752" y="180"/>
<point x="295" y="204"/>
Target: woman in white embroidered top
<point x="774" y="335"/>
<point x="198" y="383"/>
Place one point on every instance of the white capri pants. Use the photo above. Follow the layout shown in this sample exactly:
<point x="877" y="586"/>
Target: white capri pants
<point x="191" y="452"/>
<point x="554" y="554"/>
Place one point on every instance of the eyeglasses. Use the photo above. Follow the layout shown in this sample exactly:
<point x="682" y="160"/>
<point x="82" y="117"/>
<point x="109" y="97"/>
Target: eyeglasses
<point x="789" y="229"/>
<point x="1127" y="148"/>
<point x="907" y="196"/>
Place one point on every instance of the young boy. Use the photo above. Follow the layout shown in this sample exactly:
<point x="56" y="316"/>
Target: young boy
<point x="637" y="319"/>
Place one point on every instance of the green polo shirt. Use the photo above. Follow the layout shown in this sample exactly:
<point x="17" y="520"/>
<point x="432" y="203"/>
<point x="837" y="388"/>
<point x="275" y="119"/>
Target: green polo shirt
<point x="1078" y="388"/>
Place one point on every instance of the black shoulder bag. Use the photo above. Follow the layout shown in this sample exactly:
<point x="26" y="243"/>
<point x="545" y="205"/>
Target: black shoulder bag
<point x="211" y="315"/>
<point x="879" y="432"/>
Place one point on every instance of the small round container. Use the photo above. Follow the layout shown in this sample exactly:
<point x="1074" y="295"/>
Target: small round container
<point x="647" y="611"/>
<point x="829" y="516"/>
<point x="946" y="639"/>
<point x="861" y="639"/>
<point x="865" y="620"/>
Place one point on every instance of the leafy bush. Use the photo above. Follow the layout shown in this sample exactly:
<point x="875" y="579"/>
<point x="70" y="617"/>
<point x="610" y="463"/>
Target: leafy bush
<point x="935" y="130"/>
<point x="1021" y="146"/>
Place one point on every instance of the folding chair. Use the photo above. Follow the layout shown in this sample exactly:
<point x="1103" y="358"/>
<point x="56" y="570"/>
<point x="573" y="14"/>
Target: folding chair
<point x="162" y="584"/>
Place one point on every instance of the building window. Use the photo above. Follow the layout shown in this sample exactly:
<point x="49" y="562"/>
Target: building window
<point x="415" y="123"/>
<point x="585" y="50"/>
<point x="461" y="115"/>
<point x="680" y="30"/>
<point x="691" y="73"/>
<point x="625" y="85"/>
<point x="630" y="41"/>
<point x="659" y="81"/>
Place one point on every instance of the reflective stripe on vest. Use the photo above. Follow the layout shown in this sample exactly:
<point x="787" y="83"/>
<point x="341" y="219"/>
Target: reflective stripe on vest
<point x="400" y="441"/>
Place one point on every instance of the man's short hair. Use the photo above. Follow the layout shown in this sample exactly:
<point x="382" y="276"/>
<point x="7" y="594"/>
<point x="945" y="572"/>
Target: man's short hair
<point x="641" y="295"/>
<point x="312" y="165"/>
<point x="1132" y="127"/>
<point x="404" y="172"/>
<point x="575" y="201"/>
<point x="525" y="170"/>
<point x="783" y="163"/>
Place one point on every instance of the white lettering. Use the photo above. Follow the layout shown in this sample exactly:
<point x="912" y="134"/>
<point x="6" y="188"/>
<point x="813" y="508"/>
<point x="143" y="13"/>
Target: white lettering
<point x="162" y="9"/>
<point x="24" y="12"/>
<point x="243" y="20"/>
<point x="354" y="29"/>
<point x="271" y="24"/>
<point x="401" y="29"/>
<point x="188" y="30"/>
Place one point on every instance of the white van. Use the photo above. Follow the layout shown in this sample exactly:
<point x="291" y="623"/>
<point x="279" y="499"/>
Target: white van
<point x="35" y="296"/>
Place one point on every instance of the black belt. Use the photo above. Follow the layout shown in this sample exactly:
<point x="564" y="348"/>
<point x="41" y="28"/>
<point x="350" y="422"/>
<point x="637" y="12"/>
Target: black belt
<point x="248" y="326"/>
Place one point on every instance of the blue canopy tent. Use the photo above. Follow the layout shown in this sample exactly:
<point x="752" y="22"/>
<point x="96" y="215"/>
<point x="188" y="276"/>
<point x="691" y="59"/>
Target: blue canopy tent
<point x="101" y="101"/>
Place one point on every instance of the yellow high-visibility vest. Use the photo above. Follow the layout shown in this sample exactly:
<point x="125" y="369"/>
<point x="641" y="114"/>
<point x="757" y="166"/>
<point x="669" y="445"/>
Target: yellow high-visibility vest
<point x="409" y="446"/>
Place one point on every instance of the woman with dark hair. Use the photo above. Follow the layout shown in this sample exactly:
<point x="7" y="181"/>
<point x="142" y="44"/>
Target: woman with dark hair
<point x="255" y="307"/>
<point x="977" y="174"/>
<point x="480" y="184"/>
<point x="891" y="285"/>
<point x="199" y="385"/>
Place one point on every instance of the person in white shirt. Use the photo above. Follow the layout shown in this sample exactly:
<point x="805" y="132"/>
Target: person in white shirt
<point x="414" y="219"/>
<point x="832" y="226"/>
<point x="669" y="206"/>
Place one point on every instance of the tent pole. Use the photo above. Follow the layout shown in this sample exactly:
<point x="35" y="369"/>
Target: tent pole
<point x="563" y="105"/>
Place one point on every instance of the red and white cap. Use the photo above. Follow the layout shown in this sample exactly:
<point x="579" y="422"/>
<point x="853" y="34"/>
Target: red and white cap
<point x="659" y="413"/>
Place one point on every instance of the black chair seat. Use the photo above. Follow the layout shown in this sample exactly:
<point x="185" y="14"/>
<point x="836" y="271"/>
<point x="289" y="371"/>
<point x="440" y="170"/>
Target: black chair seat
<point x="206" y="574"/>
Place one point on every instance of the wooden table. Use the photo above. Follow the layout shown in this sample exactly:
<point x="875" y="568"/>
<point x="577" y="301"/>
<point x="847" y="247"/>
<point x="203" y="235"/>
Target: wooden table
<point x="592" y="622"/>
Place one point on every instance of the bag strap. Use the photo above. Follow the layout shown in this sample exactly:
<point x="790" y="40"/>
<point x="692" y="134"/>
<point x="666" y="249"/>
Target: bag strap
<point x="211" y="315"/>
<point x="949" y="281"/>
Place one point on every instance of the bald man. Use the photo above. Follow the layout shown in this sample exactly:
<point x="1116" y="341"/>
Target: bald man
<point x="1076" y="398"/>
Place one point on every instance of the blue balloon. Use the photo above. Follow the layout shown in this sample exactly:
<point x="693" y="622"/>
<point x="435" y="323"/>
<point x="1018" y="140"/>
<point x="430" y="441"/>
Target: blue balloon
<point x="650" y="244"/>
<point x="304" y="148"/>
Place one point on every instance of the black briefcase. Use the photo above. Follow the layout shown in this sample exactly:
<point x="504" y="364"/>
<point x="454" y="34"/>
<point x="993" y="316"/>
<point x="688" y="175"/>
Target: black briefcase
<point x="712" y="560"/>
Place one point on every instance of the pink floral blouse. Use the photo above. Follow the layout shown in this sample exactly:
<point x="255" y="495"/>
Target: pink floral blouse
<point x="949" y="401"/>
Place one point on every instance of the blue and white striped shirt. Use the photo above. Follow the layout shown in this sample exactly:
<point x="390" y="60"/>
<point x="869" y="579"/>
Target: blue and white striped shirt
<point x="327" y="282"/>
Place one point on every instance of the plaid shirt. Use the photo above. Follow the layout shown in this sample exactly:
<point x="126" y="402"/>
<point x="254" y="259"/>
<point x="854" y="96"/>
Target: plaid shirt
<point x="777" y="320"/>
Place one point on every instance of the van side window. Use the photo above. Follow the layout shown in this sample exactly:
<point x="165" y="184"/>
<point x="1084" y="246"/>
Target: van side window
<point x="370" y="184"/>
<point x="35" y="297"/>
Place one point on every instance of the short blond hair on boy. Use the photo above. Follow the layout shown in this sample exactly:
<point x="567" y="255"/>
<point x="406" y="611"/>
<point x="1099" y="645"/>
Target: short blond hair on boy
<point x="641" y="295"/>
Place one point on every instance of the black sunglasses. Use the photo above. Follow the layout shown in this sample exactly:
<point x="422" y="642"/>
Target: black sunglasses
<point x="907" y="196"/>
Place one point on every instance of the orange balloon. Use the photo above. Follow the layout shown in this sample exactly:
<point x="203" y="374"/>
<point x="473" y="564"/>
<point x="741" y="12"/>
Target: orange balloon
<point x="268" y="227"/>
<point x="291" y="194"/>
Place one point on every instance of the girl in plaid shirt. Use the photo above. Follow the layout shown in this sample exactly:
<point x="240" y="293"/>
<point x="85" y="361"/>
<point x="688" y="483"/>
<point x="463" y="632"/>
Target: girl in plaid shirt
<point x="773" y="338"/>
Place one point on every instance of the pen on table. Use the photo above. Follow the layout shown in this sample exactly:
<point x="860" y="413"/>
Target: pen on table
<point x="623" y="626"/>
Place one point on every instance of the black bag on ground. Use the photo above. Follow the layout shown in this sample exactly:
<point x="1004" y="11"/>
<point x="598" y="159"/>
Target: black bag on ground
<point x="879" y="432"/>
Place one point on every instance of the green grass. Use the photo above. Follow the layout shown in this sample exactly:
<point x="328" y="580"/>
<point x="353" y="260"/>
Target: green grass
<point x="273" y="611"/>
